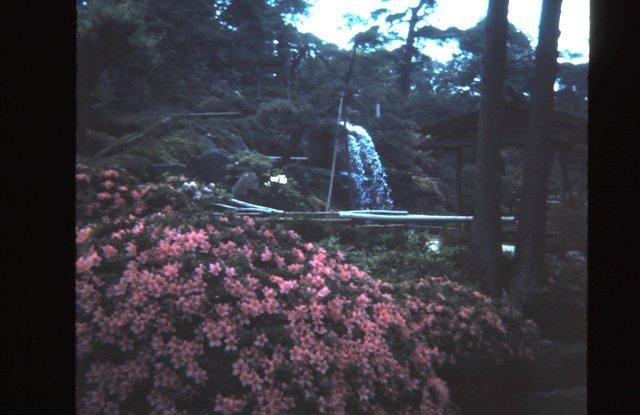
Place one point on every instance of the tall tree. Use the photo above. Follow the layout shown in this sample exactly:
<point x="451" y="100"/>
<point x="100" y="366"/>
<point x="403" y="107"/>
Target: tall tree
<point x="531" y="246"/>
<point x="114" y="46"/>
<point x="463" y="70"/>
<point x="487" y="197"/>
<point x="411" y="16"/>
<point x="409" y="48"/>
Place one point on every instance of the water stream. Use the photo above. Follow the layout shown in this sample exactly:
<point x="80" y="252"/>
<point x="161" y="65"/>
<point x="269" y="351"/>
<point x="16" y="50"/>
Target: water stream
<point x="372" y="189"/>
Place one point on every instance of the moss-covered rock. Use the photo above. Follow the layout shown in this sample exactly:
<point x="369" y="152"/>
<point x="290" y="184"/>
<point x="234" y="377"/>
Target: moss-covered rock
<point x="174" y="149"/>
<point x="229" y="141"/>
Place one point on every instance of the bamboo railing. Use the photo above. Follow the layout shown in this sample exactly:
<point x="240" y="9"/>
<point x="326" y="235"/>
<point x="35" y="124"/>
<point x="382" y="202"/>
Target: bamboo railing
<point x="386" y="217"/>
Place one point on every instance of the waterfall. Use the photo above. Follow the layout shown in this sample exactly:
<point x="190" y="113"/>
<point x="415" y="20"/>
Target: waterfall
<point x="372" y="189"/>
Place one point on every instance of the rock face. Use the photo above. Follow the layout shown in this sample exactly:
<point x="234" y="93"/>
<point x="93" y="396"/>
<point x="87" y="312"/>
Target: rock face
<point x="247" y="184"/>
<point x="212" y="165"/>
<point x="204" y="143"/>
<point x="171" y="168"/>
<point x="231" y="142"/>
<point x="316" y="143"/>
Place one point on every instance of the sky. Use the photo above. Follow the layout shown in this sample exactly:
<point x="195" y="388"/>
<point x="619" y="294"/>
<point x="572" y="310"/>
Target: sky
<point x="325" y="20"/>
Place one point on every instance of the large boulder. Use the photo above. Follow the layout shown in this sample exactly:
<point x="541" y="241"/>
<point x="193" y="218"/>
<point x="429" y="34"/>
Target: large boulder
<point x="247" y="184"/>
<point x="316" y="143"/>
<point x="212" y="165"/>
<point x="228" y="141"/>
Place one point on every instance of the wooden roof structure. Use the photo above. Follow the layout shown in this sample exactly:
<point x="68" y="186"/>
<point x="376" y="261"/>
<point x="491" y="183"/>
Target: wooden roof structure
<point x="462" y="130"/>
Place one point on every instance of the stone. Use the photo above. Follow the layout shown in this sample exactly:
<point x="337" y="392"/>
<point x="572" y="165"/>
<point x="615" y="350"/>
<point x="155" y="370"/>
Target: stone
<point x="228" y="141"/>
<point x="204" y="143"/>
<point x="316" y="143"/>
<point x="212" y="165"/>
<point x="156" y="169"/>
<point x="247" y="184"/>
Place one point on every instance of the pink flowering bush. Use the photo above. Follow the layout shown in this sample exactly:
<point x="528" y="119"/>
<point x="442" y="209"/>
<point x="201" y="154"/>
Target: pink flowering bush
<point x="177" y="313"/>
<point x="488" y="344"/>
<point x="461" y="321"/>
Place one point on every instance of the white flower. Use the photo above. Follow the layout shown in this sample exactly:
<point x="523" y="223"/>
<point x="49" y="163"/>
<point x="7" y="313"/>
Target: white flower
<point x="281" y="178"/>
<point x="190" y="185"/>
<point x="198" y="195"/>
<point x="434" y="245"/>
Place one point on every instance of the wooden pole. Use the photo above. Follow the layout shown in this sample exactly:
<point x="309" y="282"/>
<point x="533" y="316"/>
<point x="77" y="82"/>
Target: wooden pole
<point x="204" y="114"/>
<point x="335" y="153"/>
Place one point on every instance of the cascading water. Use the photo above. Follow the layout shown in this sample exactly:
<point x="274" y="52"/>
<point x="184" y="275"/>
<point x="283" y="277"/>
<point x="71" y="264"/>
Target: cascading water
<point x="372" y="189"/>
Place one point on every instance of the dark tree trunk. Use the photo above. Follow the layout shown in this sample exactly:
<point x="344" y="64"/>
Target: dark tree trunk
<point x="352" y="61"/>
<point x="283" y="58"/>
<point x="459" y="166"/>
<point x="487" y="197"/>
<point x="409" y="50"/>
<point x="293" y="67"/>
<point x="531" y="246"/>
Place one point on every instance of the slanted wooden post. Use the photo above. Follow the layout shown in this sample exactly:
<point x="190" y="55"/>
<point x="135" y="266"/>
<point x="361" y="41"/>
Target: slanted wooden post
<point x="459" y="164"/>
<point x="335" y="155"/>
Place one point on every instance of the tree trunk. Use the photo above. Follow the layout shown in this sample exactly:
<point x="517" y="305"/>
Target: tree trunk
<point x="487" y="197"/>
<point x="459" y="166"/>
<point x="405" y="66"/>
<point x="530" y="252"/>
<point x="283" y="58"/>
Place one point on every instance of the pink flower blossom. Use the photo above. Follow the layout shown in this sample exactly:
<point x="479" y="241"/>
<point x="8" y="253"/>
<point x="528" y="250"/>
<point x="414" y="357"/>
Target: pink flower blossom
<point x="323" y="292"/>
<point x="266" y="254"/>
<point x="83" y="234"/>
<point x="170" y="270"/>
<point x="110" y="174"/>
<point x="88" y="261"/>
<point x="295" y="268"/>
<point x="228" y="406"/>
<point x="287" y="286"/>
<point x="82" y="177"/>
<point x="215" y="268"/>
<point x="104" y="196"/>
<point x="109" y="251"/>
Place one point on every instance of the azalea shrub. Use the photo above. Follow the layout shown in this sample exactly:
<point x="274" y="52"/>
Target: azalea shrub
<point x="488" y="343"/>
<point x="181" y="313"/>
